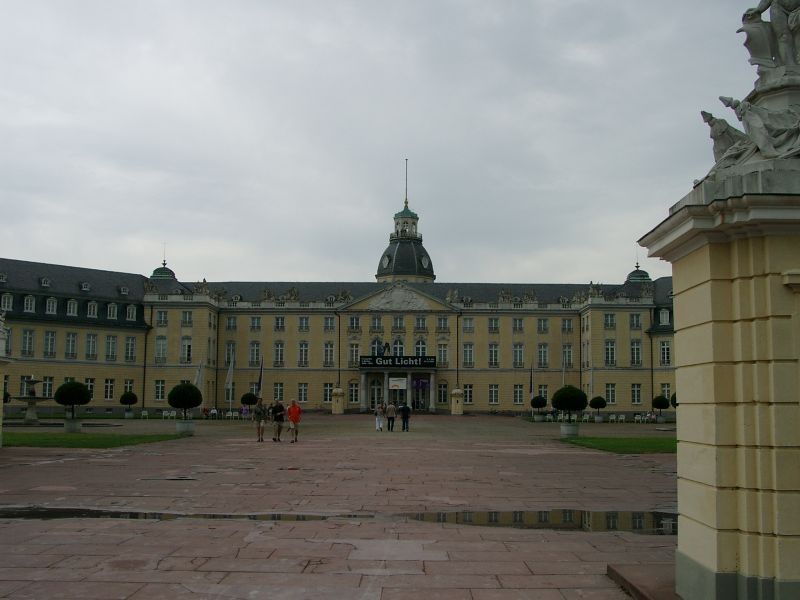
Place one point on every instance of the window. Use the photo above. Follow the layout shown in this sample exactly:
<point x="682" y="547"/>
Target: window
<point x="254" y="354"/>
<point x="636" y="393"/>
<point x="666" y="353"/>
<point x="29" y="304"/>
<point x="469" y="356"/>
<point x="494" y="355"/>
<point x="302" y="392"/>
<point x="467" y="393"/>
<point x="111" y="347"/>
<point x="442" y="354"/>
<point x="398" y="348"/>
<point x="27" y="342"/>
<point x="255" y="323"/>
<point x="327" y="392"/>
<point x="277" y="391"/>
<point x="666" y="390"/>
<point x="542" y="325"/>
<point x="611" y="393"/>
<point x="161" y="318"/>
<point x="376" y="347"/>
<point x="566" y="356"/>
<point x="50" y="306"/>
<point x="91" y="346"/>
<point x="567" y="516"/>
<point x="611" y="353"/>
<point x="89" y="383"/>
<point x="543" y="516"/>
<point x="517" y="325"/>
<point x="355" y="323"/>
<point x="161" y="349"/>
<point x="130" y="312"/>
<point x="542" y="356"/>
<point x="543" y="391"/>
<point x="7" y="302"/>
<point x="160" y="389"/>
<point x="327" y="354"/>
<point x="186" y="349"/>
<point x="519" y="393"/>
<point x="494" y="393"/>
<point x="111" y="311"/>
<point x="108" y="389"/>
<point x="47" y="386"/>
<point x="71" y="345"/>
<point x="8" y="343"/>
<point x="354" y="354"/>
<point x="352" y="393"/>
<point x="186" y="318"/>
<point x="72" y="308"/>
<point x="49" y="344"/>
<point x="230" y="324"/>
<point x="303" y="324"/>
<point x="420" y="348"/>
<point x="230" y="352"/>
<point x="610" y="321"/>
<point x="518" y="355"/>
<point x="494" y="324"/>
<point x="612" y="521"/>
<point x="91" y="310"/>
<point x="442" y="325"/>
<point x="441" y="396"/>
<point x="468" y="325"/>
<point x="420" y="323"/>
<point x="566" y="325"/>
<point x="302" y="354"/>
<point x="636" y="353"/>
<point x="127" y="386"/>
<point x="130" y="348"/>
<point x="398" y="323"/>
<point x="635" y="320"/>
<point x="329" y="324"/>
<point x="637" y="521"/>
<point x="663" y="316"/>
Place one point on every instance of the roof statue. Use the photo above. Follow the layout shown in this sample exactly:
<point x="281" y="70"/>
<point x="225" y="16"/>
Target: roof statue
<point x="724" y="135"/>
<point x="775" y="43"/>
<point x="3" y="334"/>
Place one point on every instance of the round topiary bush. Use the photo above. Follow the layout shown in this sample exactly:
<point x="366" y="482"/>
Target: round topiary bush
<point x="569" y="399"/>
<point x="128" y="399"/>
<point x="72" y="394"/>
<point x="660" y="403"/>
<point x="597" y="403"/>
<point x="538" y="402"/>
<point x="185" y="396"/>
<point x="249" y="399"/>
<point x="673" y="400"/>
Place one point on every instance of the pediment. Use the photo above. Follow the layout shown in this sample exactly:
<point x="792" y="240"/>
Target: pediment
<point x="399" y="298"/>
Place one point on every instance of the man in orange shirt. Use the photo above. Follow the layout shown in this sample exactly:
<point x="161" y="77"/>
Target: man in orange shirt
<point x="293" y="414"/>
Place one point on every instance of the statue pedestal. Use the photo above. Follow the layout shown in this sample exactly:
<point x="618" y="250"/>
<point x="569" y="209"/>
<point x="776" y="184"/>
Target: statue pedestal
<point x="457" y="402"/>
<point x="734" y="245"/>
<point x="31" y="416"/>
<point x="337" y="401"/>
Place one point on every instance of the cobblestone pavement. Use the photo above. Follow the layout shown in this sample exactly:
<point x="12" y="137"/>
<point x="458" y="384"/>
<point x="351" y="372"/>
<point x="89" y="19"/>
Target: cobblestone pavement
<point x="216" y="515"/>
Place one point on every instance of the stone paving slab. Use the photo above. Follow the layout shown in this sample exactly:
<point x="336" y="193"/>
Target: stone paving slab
<point x="340" y="467"/>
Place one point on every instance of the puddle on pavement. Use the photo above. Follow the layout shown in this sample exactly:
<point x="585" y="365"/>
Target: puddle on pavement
<point x="661" y="523"/>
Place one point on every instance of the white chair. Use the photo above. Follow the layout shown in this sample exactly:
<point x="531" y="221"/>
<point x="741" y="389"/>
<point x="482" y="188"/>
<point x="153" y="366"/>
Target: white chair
<point x="549" y="418"/>
<point x="637" y="418"/>
<point x="144" y="415"/>
<point x="612" y="418"/>
<point x="561" y="417"/>
<point x="621" y="419"/>
<point x="573" y="418"/>
<point x="585" y="417"/>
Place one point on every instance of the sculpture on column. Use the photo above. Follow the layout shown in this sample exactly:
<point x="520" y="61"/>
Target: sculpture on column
<point x="776" y="133"/>
<point x="724" y="135"/>
<point x="776" y="43"/>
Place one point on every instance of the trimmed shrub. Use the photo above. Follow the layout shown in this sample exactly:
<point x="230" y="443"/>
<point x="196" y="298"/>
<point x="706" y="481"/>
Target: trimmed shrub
<point x="673" y="400"/>
<point x="660" y="403"/>
<point x="597" y="403"/>
<point x="569" y="399"/>
<point x="185" y="396"/>
<point x="72" y="394"/>
<point x="128" y="399"/>
<point x="249" y="399"/>
<point x="538" y="402"/>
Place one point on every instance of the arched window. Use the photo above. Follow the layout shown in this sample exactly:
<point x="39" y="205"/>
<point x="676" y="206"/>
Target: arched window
<point x="376" y="347"/>
<point x="29" y="304"/>
<point x="112" y="311"/>
<point x="72" y="308"/>
<point x="91" y="309"/>
<point x="51" y="306"/>
<point x="397" y="347"/>
<point x="420" y="348"/>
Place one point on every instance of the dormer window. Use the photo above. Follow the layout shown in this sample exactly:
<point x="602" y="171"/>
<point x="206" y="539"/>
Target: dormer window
<point x="44" y="282"/>
<point x="51" y="306"/>
<point x="112" y="311"/>
<point x="85" y="287"/>
<point x="7" y="302"/>
<point x="72" y="308"/>
<point x="91" y="310"/>
<point x="3" y="278"/>
<point x="130" y="312"/>
<point x="663" y="317"/>
<point x="29" y="304"/>
<point x="237" y="298"/>
<point x="123" y="291"/>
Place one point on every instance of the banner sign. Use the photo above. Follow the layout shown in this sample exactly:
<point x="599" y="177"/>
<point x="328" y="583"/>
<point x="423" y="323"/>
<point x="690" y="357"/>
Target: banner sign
<point x="397" y="362"/>
<point x="397" y="383"/>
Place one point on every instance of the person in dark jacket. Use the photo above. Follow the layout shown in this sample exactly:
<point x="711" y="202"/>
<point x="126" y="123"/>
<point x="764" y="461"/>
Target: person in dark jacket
<point x="405" y="414"/>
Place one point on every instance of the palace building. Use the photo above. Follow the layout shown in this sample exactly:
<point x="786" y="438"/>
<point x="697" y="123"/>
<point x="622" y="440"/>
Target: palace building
<point x="403" y="337"/>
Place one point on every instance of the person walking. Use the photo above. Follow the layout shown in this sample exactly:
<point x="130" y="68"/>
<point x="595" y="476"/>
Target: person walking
<point x="293" y="414"/>
<point x="379" y="417"/>
<point x="405" y="415"/>
<point x="278" y="414"/>
<point x="260" y="417"/>
<point x="391" y="414"/>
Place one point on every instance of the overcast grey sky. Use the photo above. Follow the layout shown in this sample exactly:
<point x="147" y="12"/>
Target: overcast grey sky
<point x="266" y="139"/>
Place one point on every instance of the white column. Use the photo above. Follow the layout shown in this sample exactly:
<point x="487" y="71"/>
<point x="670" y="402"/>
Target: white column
<point x="363" y="391"/>
<point x="408" y="389"/>
<point x="432" y="392"/>
<point x="386" y="387"/>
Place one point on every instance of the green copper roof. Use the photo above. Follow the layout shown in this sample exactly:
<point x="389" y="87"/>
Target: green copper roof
<point x="406" y="213"/>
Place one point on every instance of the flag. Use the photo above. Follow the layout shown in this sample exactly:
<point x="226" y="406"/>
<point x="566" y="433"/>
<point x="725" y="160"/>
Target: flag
<point x="229" y="378"/>
<point x="198" y="377"/>
<point x="260" y="378"/>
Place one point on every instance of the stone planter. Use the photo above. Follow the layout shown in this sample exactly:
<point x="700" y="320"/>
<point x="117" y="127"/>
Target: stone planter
<point x="128" y="414"/>
<point x="537" y="418"/>
<point x="569" y="430"/>
<point x="661" y="420"/>
<point x="184" y="426"/>
<point x="598" y="418"/>
<point x="72" y="426"/>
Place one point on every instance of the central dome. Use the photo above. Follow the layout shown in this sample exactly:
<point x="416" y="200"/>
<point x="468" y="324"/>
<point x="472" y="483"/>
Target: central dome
<point x="405" y="259"/>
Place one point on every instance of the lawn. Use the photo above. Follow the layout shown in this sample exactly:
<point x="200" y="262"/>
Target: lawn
<point x="653" y="445"/>
<point x="79" y="440"/>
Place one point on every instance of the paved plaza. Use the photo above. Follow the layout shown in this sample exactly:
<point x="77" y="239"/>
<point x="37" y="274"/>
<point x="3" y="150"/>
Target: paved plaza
<point x="221" y="516"/>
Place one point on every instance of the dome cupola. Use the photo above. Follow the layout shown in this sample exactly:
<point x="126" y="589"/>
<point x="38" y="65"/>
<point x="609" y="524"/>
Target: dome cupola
<point x="405" y="259"/>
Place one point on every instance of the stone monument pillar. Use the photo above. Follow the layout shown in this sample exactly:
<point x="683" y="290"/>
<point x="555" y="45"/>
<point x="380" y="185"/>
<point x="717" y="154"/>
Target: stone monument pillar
<point x="734" y="245"/>
<point x="457" y="401"/>
<point x="337" y="401"/>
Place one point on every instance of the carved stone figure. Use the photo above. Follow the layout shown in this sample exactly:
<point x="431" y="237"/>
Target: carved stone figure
<point x="3" y="334"/>
<point x="723" y="134"/>
<point x="776" y="133"/>
<point x="452" y="296"/>
<point x="292" y="294"/>
<point x="784" y="18"/>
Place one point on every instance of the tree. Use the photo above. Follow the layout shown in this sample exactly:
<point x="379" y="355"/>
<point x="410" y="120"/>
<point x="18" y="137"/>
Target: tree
<point x="569" y="399"/>
<point x="185" y="396"/>
<point x="249" y="399"/>
<point x="597" y="403"/>
<point x="72" y="394"/>
<point x="538" y="402"/>
<point x="128" y="399"/>
<point x="660" y="403"/>
<point x="673" y="400"/>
